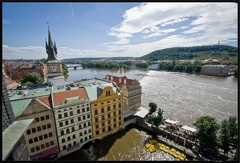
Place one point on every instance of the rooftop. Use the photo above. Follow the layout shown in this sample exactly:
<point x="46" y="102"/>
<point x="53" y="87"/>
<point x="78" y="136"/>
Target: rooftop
<point x="120" y="81"/>
<point x="12" y="134"/>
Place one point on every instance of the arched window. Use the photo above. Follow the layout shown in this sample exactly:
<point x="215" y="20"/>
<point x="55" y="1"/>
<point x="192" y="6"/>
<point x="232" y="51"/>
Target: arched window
<point x="85" y="132"/>
<point x="73" y="136"/>
<point x="63" y="140"/>
<point x="74" y="143"/>
<point x="96" y="112"/>
<point x="68" y="138"/>
<point x="81" y="140"/>
<point x="62" y="132"/>
<point x="67" y="131"/>
<point x="73" y="129"/>
<point x="64" y="147"/>
<point x="80" y="134"/>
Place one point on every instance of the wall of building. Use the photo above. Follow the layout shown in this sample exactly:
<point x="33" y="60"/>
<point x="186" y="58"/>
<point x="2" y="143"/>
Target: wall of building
<point x="215" y="70"/>
<point x="20" y="153"/>
<point x="107" y="113"/>
<point x="74" y="127"/>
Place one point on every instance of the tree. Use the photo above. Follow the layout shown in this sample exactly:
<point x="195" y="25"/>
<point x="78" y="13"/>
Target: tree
<point x="153" y="107"/>
<point x="224" y="136"/>
<point x="207" y="128"/>
<point x="233" y="131"/>
<point x="160" y="114"/>
<point x="32" y="78"/>
<point x="197" y="68"/>
<point x="235" y="73"/>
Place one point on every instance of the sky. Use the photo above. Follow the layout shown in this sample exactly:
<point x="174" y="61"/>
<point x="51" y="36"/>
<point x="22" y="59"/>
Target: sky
<point x="114" y="29"/>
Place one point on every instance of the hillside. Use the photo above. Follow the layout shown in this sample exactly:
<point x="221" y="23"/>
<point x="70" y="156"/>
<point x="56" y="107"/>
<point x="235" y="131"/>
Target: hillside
<point x="194" y="52"/>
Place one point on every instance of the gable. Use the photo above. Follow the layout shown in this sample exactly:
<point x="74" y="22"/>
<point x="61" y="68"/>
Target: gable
<point x="34" y="107"/>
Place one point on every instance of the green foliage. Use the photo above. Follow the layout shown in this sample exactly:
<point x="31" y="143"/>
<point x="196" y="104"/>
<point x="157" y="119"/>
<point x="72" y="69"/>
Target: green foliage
<point x="233" y="130"/>
<point x="235" y="73"/>
<point x="153" y="107"/>
<point x="207" y="128"/>
<point x="108" y="65"/>
<point x="224" y="136"/>
<point x="198" y="68"/>
<point x="189" y="69"/>
<point x="141" y="65"/>
<point x="32" y="78"/>
<point x="194" y="52"/>
<point x="65" y="69"/>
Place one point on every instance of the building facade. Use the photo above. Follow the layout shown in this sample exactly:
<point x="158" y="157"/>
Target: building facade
<point x="131" y="90"/>
<point x="215" y="70"/>
<point x="71" y="109"/>
<point x="41" y="136"/>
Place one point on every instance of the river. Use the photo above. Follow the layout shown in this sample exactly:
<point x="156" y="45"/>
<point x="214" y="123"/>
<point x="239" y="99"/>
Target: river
<point x="183" y="97"/>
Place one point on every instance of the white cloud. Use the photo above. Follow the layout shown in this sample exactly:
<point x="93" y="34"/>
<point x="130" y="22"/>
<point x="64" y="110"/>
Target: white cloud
<point x="5" y="21"/>
<point x="38" y="52"/>
<point x="202" y="24"/>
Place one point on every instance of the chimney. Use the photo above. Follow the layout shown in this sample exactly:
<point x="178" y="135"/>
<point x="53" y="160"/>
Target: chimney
<point x="125" y="81"/>
<point x="120" y="80"/>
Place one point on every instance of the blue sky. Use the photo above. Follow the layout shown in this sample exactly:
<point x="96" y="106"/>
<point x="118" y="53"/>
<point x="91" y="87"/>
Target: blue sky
<point x="110" y="29"/>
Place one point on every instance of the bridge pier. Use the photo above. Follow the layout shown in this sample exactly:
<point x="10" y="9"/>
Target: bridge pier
<point x="75" y="68"/>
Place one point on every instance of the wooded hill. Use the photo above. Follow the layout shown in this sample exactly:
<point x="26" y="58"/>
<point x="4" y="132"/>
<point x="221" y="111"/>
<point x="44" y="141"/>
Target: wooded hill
<point x="193" y="52"/>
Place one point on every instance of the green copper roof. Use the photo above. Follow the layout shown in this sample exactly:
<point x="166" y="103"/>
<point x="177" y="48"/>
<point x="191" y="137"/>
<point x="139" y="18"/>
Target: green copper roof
<point x="19" y="106"/>
<point x="11" y="136"/>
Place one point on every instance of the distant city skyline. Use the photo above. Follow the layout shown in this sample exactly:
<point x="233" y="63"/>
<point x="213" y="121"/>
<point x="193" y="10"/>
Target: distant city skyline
<point x="111" y="29"/>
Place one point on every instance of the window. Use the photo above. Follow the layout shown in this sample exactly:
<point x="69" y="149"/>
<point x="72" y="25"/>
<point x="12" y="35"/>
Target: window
<point x="35" y="139"/>
<point x="40" y="137"/>
<point x="102" y="103"/>
<point x="49" y="125"/>
<point x="119" y="98"/>
<point x="102" y="110"/>
<point x="84" y="117"/>
<point x="70" y="109"/>
<point x="59" y="116"/>
<point x="103" y="124"/>
<point x="42" y="118"/>
<point x="72" y="120"/>
<point x="69" y="145"/>
<point x="62" y="132"/>
<point x="97" y="132"/>
<point x="71" y="113"/>
<point x="96" y="119"/>
<point x="89" y="130"/>
<point x="66" y="122"/>
<point x="107" y="93"/>
<point x="119" y="111"/>
<point x="42" y="146"/>
<point x="73" y="129"/>
<point x="95" y="104"/>
<point x="33" y="130"/>
<point x="65" y="115"/>
<point x="78" y="107"/>
<point x="73" y="136"/>
<point x="68" y="138"/>
<point x="88" y="116"/>
<point x="88" y="109"/>
<point x="63" y="140"/>
<point x="47" y="116"/>
<point x="45" y="136"/>
<point x="79" y="118"/>
<point x="85" y="132"/>
<point x="85" y="138"/>
<point x="83" y="110"/>
<point x="30" y="141"/>
<point x="114" y="125"/>
<point x="32" y="150"/>
<point x="114" y="113"/>
<point x="44" y="127"/>
<point x="51" y="142"/>
<point x="119" y="105"/>
<point x="82" y="105"/>
<point x="108" y="115"/>
<point x="59" y="111"/>
<point x="78" y="111"/>
<point x="96" y="112"/>
<point x="47" y="144"/>
<point x="108" y="108"/>
<point x="60" y="124"/>
<point x="37" y="148"/>
<point x="108" y="101"/>
<point x="109" y="122"/>
<point x="80" y="134"/>
<point x="102" y="117"/>
<point x="67" y="131"/>
<point x="119" y="118"/>
<point x="90" y="136"/>
<point x="80" y="126"/>
<point x="103" y="130"/>
<point x="28" y="131"/>
<point x="97" y="126"/>
<point x="119" y="123"/>
<point x="114" y="106"/>
<point x="89" y="123"/>
<point x="84" y="125"/>
<point x="64" y="147"/>
<point x="50" y="134"/>
<point x="81" y="140"/>
<point x="39" y="128"/>
<point x="37" y="119"/>
<point x="114" y="120"/>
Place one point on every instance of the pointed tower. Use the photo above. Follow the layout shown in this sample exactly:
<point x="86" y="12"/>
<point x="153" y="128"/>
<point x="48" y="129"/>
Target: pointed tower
<point x="53" y="70"/>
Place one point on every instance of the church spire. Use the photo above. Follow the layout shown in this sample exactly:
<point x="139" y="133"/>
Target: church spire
<point x="51" y="48"/>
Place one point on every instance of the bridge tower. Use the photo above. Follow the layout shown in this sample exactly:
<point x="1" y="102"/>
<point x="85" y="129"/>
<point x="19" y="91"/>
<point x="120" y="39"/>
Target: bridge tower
<point x="53" y="67"/>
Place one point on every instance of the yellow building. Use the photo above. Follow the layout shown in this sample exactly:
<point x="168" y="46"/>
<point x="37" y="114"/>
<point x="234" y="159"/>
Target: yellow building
<point x="106" y="106"/>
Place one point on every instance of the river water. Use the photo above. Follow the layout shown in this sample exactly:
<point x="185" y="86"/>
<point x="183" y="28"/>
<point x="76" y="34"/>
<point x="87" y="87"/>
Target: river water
<point x="183" y="97"/>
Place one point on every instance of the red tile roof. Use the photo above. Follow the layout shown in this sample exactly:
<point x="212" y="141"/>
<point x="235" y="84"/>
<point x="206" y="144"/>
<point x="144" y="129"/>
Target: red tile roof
<point x="13" y="85"/>
<point x="47" y="100"/>
<point x="120" y="81"/>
